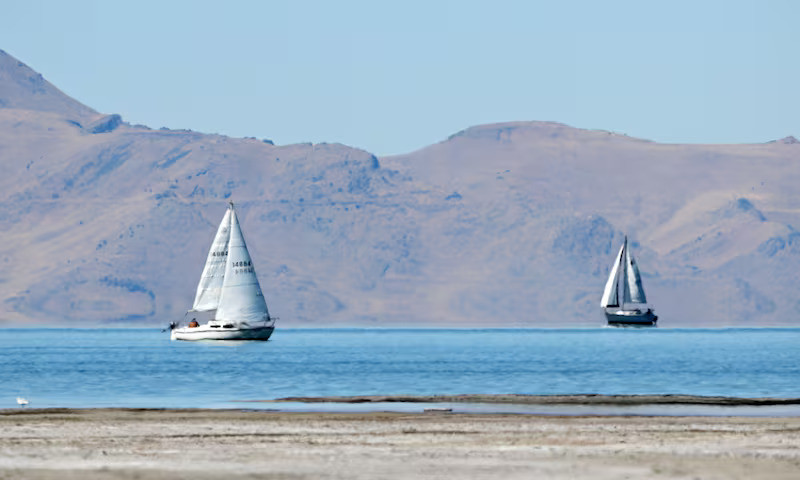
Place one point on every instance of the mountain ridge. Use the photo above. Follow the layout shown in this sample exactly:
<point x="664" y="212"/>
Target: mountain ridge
<point x="23" y="88"/>
<point x="508" y="224"/>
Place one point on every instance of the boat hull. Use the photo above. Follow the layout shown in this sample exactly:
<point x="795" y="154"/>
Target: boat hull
<point x="205" y="332"/>
<point x="631" y="318"/>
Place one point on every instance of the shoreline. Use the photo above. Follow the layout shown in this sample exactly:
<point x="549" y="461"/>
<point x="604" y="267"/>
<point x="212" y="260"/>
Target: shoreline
<point x="525" y="399"/>
<point x="199" y="444"/>
<point x="580" y="405"/>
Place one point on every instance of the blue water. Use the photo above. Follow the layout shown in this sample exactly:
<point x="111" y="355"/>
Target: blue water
<point x="143" y="368"/>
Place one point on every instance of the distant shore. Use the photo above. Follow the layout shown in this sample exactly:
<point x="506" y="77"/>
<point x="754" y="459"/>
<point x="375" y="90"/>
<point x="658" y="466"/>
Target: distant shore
<point x="522" y="399"/>
<point x="200" y="444"/>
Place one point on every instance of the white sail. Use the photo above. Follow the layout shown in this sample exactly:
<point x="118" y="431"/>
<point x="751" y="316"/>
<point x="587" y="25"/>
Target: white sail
<point x="210" y="286"/>
<point x="241" y="300"/>
<point x="634" y="292"/>
<point x="611" y="292"/>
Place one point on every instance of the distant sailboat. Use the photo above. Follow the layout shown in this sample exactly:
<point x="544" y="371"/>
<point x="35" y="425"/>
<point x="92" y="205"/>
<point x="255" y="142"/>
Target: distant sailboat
<point x="229" y="304"/>
<point x="624" y="302"/>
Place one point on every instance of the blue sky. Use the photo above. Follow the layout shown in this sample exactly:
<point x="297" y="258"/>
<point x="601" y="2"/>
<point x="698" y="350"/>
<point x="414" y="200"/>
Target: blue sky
<point x="393" y="77"/>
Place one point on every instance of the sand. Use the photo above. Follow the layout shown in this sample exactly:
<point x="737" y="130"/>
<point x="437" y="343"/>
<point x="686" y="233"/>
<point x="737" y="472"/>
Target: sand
<point x="205" y="444"/>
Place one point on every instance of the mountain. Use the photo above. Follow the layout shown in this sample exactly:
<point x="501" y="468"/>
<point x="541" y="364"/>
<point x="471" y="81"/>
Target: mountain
<point x="23" y="89"/>
<point x="511" y="224"/>
<point x="712" y="225"/>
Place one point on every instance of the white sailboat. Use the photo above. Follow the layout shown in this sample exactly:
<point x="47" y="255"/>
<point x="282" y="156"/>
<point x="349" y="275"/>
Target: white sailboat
<point x="624" y="301"/>
<point x="229" y="304"/>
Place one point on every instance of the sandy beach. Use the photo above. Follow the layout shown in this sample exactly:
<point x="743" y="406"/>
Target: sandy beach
<point x="205" y="444"/>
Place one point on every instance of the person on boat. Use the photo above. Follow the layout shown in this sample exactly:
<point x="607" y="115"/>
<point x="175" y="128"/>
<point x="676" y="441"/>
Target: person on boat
<point x="171" y="326"/>
<point x="193" y="324"/>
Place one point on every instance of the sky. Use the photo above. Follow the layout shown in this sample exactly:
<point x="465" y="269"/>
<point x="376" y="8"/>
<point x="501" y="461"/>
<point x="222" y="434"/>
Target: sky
<point x="392" y="77"/>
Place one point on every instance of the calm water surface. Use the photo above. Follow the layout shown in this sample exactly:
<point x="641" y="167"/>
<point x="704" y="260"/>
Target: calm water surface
<point x="143" y="368"/>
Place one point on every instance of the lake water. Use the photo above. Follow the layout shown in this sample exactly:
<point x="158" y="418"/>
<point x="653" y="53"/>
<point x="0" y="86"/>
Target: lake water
<point x="143" y="368"/>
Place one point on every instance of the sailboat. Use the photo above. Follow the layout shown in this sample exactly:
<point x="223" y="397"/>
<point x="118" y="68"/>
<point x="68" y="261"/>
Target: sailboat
<point x="228" y="304"/>
<point x="624" y="301"/>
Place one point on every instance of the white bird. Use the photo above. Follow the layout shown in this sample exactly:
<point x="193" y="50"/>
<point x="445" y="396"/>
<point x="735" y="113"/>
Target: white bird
<point x="22" y="401"/>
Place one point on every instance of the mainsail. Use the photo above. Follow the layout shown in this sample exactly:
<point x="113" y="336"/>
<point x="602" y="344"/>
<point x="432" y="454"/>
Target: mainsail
<point x="634" y="293"/>
<point x="241" y="300"/>
<point x="210" y="286"/>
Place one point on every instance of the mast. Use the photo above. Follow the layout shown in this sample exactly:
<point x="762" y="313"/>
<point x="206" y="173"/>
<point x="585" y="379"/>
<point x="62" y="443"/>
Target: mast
<point x="626" y="293"/>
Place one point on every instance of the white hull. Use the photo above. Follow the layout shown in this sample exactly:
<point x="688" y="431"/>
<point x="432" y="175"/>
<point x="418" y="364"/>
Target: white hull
<point x="207" y="332"/>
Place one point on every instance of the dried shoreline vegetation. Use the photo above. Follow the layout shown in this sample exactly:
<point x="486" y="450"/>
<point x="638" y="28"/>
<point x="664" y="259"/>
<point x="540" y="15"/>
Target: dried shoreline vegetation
<point x="203" y="444"/>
